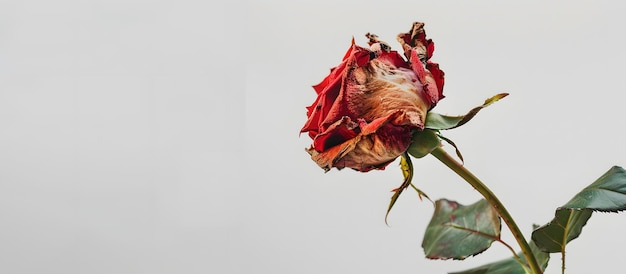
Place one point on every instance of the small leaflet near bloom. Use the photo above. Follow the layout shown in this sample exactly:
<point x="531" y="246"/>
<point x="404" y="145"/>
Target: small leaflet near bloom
<point x="369" y="105"/>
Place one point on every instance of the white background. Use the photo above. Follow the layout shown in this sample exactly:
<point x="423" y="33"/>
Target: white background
<point x="162" y="136"/>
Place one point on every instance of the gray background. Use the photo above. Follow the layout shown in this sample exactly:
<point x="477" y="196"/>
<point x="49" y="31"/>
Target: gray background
<point x="162" y="136"/>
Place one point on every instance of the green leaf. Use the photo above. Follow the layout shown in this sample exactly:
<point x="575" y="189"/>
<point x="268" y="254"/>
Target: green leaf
<point x="510" y="265"/>
<point x="457" y="231"/>
<point x="458" y="152"/>
<point x="607" y="194"/>
<point x="423" y="143"/>
<point x="421" y="193"/>
<point x="407" y="171"/>
<point x="440" y="122"/>
<point x="566" y="226"/>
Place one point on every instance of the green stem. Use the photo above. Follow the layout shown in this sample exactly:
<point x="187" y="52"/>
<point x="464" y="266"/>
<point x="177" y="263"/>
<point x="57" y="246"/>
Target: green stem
<point x="445" y="158"/>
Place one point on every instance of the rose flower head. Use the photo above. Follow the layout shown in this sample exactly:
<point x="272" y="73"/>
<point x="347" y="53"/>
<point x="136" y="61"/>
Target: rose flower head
<point x="369" y="106"/>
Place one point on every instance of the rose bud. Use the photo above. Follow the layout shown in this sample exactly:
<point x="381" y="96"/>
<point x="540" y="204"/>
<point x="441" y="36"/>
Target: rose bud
<point x="369" y="105"/>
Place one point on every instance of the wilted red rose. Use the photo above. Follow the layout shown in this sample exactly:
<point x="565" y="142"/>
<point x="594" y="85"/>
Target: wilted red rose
<point x="368" y="107"/>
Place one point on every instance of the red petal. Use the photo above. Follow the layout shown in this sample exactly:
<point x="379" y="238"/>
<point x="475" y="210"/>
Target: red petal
<point x="438" y="75"/>
<point x="430" y="48"/>
<point x="374" y="147"/>
<point x="426" y="78"/>
<point x="328" y="90"/>
<point x="339" y="132"/>
<point x="394" y="59"/>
